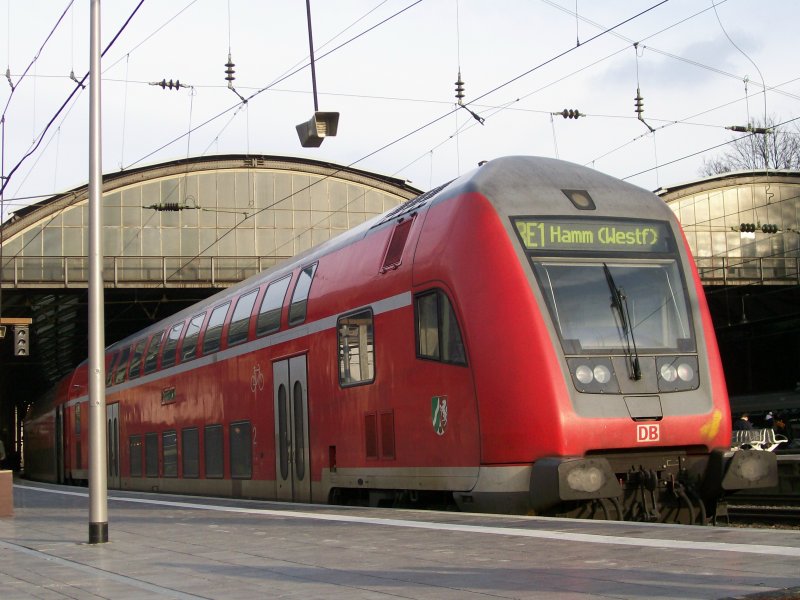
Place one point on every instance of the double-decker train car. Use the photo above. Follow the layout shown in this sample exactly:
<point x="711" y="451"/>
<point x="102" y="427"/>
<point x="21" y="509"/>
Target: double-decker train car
<point x="529" y="338"/>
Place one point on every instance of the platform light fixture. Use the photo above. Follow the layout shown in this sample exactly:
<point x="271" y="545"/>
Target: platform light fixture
<point x="321" y="124"/>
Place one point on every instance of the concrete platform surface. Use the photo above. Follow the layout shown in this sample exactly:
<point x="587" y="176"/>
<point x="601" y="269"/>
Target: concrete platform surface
<point x="187" y="547"/>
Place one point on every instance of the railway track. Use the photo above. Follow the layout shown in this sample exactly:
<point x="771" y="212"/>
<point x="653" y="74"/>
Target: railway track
<point x="771" y="509"/>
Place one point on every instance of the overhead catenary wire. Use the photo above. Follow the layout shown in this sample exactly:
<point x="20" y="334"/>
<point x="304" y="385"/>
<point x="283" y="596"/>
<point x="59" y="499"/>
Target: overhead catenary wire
<point x="277" y="81"/>
<point x="474" y="105"/>
<point x="39" y="139"/>
<point x="421" y="127"/>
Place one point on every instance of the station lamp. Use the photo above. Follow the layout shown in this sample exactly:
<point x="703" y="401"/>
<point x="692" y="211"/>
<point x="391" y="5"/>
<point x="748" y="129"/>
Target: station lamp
<point x="321" y="124"/>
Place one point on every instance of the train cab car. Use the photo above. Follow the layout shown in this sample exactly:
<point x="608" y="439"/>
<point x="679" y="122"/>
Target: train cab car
<point x="530" y="338"/>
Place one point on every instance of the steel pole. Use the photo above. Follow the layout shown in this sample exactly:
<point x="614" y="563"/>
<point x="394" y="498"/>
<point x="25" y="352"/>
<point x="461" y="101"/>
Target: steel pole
<point x="98" y="501"/>
<point x="311" y="52"/>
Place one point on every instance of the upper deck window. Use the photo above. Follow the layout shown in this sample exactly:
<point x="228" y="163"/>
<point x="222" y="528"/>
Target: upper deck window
<point x="189" y="347"/>
<point x="213" y="336"/>
<point x="299" y="305"/>
<point x="269" y="315"/>
<point x="151" y="356"/>
<point x="170" y="348"/>
<point x="111" y="364"/>
<point x="240" y="321"/>
<point x="122" y="364"/>
<point x="136" y="361"/>
<point x="356" y="349"/>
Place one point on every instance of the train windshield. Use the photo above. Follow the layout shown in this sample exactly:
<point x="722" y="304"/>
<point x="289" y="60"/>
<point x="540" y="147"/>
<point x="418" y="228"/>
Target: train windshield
<point x="592" y="305"/>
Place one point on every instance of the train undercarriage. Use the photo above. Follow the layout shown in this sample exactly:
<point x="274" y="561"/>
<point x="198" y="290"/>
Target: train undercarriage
<point x="679" y="487"/>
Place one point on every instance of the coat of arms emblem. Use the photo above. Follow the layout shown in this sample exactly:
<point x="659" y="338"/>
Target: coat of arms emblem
<point x="439" y="414"/>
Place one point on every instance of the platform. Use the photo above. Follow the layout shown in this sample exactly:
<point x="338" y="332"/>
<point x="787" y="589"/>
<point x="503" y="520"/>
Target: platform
<point x="187" y="547"/>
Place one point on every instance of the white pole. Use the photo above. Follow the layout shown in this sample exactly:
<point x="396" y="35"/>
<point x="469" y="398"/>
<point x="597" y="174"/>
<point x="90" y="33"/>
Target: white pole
<point x="98" y="501"/>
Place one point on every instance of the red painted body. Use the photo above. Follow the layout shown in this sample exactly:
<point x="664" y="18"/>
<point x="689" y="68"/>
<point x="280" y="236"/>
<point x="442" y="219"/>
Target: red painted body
<point x="511" y="405"/>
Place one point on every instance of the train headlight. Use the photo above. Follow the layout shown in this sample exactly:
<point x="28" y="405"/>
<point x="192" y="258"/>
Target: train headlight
<point x="602" y="374"/>
<point x="593" y="375"/>
<point x="677" y="373"/>
<point x="668" y="373"/>
<point x="685" y="372"/>
<point x="588" y="479"/>
<point x="584" y="374"/>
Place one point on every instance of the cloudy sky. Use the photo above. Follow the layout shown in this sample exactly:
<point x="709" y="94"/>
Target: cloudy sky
<point x="389" y="68"/>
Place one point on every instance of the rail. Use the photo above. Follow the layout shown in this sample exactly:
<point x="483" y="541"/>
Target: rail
<point x="133" y="271"/>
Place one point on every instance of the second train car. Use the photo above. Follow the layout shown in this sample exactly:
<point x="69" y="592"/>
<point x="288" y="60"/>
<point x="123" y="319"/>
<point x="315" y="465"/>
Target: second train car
<point x="531" y="338"/>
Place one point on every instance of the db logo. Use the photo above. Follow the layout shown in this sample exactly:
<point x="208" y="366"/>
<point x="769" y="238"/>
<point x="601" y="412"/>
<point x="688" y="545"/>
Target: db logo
<point x="647" y="433"/>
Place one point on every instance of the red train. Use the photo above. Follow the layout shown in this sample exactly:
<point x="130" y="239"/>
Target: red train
<point x="530" y="338"/>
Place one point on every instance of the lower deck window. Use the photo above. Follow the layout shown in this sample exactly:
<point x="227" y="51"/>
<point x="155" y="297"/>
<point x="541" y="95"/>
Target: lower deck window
<point x="169" y="452"/>
<point x="151" y="455"/>
<point x="191" y="452"/>
<point x="135" y="454"/>
<point x="213" y="451"/>
<point x="241" y="453"/>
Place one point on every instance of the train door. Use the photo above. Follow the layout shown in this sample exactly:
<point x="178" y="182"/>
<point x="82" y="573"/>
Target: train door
<point x="112" y="441"/>
<point x="59" y="444"/>
<point x="290" y="397"/>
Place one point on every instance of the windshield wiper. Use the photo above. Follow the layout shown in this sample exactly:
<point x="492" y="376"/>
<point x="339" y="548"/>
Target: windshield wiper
<point x="621" y="304"/>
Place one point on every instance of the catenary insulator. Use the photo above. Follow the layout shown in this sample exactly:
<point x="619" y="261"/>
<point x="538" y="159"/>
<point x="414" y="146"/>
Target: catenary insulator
<point x="638" y="102"/>
<point x="460" y="89"/>
<point x="229" y="72"/>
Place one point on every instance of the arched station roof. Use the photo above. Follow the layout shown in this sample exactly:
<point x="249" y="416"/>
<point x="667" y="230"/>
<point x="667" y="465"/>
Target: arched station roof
<point x="194" y="222"/>
<point x="712" y="211"/>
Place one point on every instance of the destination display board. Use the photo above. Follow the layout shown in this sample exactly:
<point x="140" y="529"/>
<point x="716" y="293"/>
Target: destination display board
<point x="564" y="234"/>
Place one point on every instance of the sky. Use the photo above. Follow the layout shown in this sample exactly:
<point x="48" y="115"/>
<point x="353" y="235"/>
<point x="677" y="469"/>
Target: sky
<point x="389" y="68"/>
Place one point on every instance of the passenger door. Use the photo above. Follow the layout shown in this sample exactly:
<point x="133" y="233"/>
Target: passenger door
<point x="290" y="397"/>
<point x="112" y="442"/>
<point x="59" y="444"/>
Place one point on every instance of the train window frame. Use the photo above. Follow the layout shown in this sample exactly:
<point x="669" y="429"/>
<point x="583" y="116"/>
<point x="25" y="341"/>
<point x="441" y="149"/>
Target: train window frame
<point x="190" y="453"/>
<point x="214" y="448"/>
<point x="240" y="440"/>
<point x="135" y="448"/>
<point x="269" y="313"/>
<point x="169" y="354"/>
<point x="443" y="311"/>
<point x="135" y="368"/>
<point x="212" y="331"/>
<point x="151" y="454"/>
<point x="343" y="334"/>
<point x="152" y="352"/>
<point x="121" y="370"/>
<point x="169" y="453"/>
<point x="239" y="326"/>
<point x="191" y="337"/>
<point x="298" y="307"/>
<point x="78" y="418"/>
